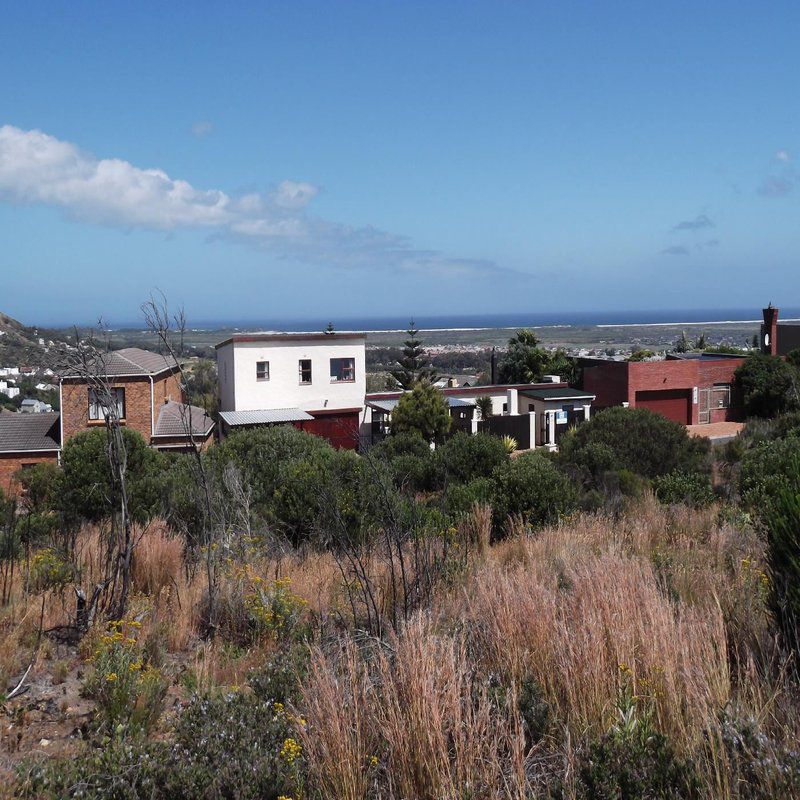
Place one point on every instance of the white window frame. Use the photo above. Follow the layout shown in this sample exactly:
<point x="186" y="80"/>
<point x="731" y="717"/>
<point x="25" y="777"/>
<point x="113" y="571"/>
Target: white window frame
<point x="300" y="372"/>
<point x="265" y="371"/>
<point x="98" y="410"/>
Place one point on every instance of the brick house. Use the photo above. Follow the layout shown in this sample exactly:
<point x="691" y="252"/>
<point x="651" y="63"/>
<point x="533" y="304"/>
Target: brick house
<point x="146" y="388"/>
<point x="26" y="440"/>
<point x="689" y="388"/>
<point x="778" y="338"/>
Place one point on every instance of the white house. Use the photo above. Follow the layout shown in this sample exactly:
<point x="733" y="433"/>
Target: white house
<point x="315" y="381"/>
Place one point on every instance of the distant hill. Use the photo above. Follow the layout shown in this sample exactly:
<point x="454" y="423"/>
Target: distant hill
<point x="22" y="346"/>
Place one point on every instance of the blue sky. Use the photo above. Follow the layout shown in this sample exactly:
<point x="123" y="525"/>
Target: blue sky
<point x="296" y="159"/>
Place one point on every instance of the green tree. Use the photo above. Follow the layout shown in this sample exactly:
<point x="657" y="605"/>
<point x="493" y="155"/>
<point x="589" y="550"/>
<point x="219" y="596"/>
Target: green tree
<point x="424" y="411"/>
<point x="768" y="385"/>
<point x="87" y="490"/>
<point x="484" y="406"/>
<point x="524" y="361"/>
<point x="640" y="441"/>
<point x="464" y="457"/>
<point x="414" y="364"/>
<point x="683" y="345"/>
<point x="640" y="354"/>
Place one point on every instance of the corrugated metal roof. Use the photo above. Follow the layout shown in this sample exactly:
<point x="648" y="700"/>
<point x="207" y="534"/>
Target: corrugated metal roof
<point x="27" y="432"/>
<point x="174" y="418"/>
<point x="265" y="416"/>
<point x="388" y="406"/>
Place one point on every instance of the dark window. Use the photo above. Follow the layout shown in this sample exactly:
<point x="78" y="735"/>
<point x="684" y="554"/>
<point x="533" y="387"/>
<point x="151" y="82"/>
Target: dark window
<point x="262" y="370"/>
<point x="102" y="403"/>
<point x="305" y="370"/>
<point x="343" y="370"/>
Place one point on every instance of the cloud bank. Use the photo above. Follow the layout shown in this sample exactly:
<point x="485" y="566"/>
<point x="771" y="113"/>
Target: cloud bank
<point x="36" y="168"/>
<point x="700" y="222"/>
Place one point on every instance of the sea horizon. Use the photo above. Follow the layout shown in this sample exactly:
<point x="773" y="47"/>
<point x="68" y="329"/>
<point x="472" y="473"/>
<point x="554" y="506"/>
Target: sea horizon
<point x="465" y="322"/>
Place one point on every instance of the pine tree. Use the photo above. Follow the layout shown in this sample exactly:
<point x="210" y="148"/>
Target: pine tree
<point x="330" y="330"/>
<point x="414" y="364"/>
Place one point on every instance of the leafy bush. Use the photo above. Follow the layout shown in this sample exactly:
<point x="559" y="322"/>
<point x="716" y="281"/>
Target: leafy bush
<point x="410" y="459"/>
<point x="767" y="385"/>
<point x="459" y="498"/>
<point x="633" y="761"/>
<point x="641" y="441"/>
<point x="128" y="691"/>
<point x="51" y="569"/>
<point x="464" y="457"/>
<point x="86" y="490"/>
<point x="767" y="471"/>
<point x="533" y="487"/>
<point x="691" y="488"/>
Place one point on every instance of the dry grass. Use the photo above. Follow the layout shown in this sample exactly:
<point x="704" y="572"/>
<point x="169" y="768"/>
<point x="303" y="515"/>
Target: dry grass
<point x="157" y="559"/>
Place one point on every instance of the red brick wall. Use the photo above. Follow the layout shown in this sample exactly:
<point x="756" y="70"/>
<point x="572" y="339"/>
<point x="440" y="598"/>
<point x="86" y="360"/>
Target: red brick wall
<point x="615" y="382"/>
<point x="138" y="411"/>
<point x="11" y="462"/>
<point x="608" y="380"/>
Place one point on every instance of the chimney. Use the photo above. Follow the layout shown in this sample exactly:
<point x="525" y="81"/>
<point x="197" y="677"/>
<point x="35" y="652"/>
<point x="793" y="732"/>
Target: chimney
<point x="769" y="331"/>
<point x="512" y="402"/>
<point x="494" y="366"/>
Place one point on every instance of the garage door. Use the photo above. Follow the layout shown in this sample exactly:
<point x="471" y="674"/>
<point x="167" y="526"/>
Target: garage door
<point x="674" y="404"/>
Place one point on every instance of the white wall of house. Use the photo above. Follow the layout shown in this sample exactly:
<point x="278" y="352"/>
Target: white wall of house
<point x="241" y="390"/>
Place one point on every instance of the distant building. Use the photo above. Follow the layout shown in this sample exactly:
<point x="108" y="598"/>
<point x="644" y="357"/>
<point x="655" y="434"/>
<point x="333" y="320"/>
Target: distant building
<point x="316" y="382"/>
<point x="535" y="414"/>
<point x="689" y="388"/>
<point x="8" y="391"/>
<point x="32" y="406"/>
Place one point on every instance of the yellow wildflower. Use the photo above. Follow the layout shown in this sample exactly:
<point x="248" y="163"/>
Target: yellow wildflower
<point x="111" y="677"/>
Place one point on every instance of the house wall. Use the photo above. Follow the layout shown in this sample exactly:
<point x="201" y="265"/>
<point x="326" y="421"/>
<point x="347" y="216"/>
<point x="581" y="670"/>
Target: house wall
<point x="138" y="408"/>
<point x="10" y="463"/>
<point x="616" y="382"/>
<point x="240" y="391"/>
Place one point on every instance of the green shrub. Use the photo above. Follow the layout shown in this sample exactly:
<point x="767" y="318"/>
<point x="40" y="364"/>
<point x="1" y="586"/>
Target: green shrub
<point x="464" y="457"/>
<point x="129" y="692"/>
<point x="410" y="459"/>
<point x="459" y="498"/>
<point x="767" y="385"/>
<point x="692" y="488"/>
<point x="86" y="489"/>
<point x="767" y="471"/>
<point x="763" y="769"/>
<point x="641" y="441"/>
<point x="51" y="569"/>
<point x="533" y="487"/>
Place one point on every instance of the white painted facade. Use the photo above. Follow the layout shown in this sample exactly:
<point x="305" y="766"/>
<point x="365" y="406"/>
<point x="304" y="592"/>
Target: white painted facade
<point x="242" y="387"/>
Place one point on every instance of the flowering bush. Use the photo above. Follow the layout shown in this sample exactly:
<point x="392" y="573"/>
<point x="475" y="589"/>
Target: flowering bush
<point x="129" y="693"/>
<point x="51" y="570"/>
<point x="274" y="610"/>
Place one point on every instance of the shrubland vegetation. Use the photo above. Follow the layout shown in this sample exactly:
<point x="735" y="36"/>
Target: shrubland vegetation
<point x="617" y="620"/>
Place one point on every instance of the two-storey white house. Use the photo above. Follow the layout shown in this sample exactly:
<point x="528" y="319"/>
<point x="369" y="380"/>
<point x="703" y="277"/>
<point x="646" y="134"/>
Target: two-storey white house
<point x="315" y="381"/>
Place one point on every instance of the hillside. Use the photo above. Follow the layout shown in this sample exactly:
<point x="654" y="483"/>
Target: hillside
<point x="24" y="346"/>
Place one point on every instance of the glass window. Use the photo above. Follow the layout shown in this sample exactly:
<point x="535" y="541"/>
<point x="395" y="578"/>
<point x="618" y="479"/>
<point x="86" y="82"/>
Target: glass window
<point x="101" y="403"/>
<point x="721" y="395"/>
<point x="262" y="370"/>
<point x="343" y="369"/>
<point x="305" y="370"/>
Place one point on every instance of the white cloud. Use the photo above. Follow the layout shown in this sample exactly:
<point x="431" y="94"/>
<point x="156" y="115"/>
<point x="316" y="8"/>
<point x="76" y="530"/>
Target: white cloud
<point x="783" y="155"/>
<point x="202" y="129"/>
<point x="36" y="168"/>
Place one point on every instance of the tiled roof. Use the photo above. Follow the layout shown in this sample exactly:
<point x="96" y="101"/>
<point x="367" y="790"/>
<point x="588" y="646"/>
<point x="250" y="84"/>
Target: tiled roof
<point x="132" y="361"/>
<point x="264" y="416"/>
<point x="174" y="418"/>
<point x="26" y="432"/>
